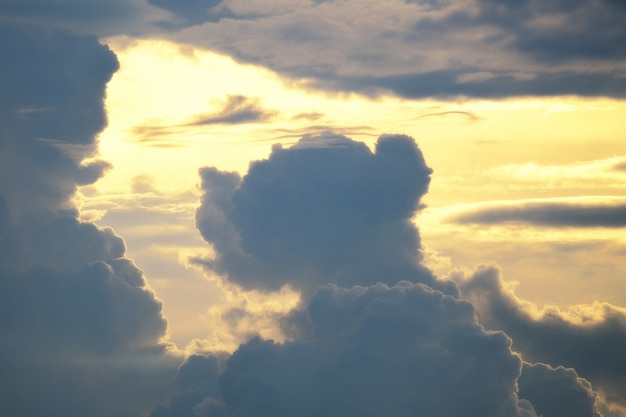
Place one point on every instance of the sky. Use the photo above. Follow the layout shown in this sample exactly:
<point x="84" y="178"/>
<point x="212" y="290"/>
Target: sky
<point x="228" y="208"/>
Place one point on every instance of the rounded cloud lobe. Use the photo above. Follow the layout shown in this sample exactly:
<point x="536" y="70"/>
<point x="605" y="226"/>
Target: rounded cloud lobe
<point x="399" y="351"/>
<point x="589" y="338"/>
<point x="326" y="210"/>
<point x="329" y="210"/>
<point x="557" y="391"/>
<point x="80" y="328"/>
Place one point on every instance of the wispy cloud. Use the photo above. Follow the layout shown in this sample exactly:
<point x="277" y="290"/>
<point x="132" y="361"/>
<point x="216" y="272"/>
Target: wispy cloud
<point x="235" y="110"/>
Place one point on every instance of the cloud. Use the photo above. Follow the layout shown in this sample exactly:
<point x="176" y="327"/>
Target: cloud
<point x="236" y="109"/>
<point x="448" y="84"/>
<point x="469" y="115"/>
<point x="104" y="18"/>
<point x="588" y="338"/>
<point x="326" y="210"/>
<point x="191" y="12"/>
<point x="550" y="213"/>
<point x="197" y="382"/>
<point x="562" y="31"/>
<point x="397" y="351"/>
<point x="311" y="116"/>
<point x="483" y="48"/>
<point x="557" y="391"/>
<point x="81" y="330"/>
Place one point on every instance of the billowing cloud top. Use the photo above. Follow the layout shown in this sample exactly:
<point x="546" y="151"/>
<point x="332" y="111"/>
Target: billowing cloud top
<point x="398" y="351"/>
<point x="326" y="210"/>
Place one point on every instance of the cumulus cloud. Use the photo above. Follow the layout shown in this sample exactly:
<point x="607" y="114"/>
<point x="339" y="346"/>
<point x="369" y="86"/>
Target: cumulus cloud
<point x="197" y="383"/>
<point x="550" y="213"/>
<point x="396" y="351"/>
<point x="588" y="338"/>
<point x="557" y="391"/>
<point x="81" y="330"/>
<point x="326" y="210"/>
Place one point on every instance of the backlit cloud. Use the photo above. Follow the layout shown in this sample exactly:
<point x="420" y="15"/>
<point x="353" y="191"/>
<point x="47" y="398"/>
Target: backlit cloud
<point x="443" y="49"/>
<point x="326" y="210"/>
<point x="588" y="338"/>
<point x="75" y="309"/>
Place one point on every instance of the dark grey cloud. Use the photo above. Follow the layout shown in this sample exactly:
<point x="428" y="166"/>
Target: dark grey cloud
<point x="448" y="84"/>
<point x="191" y="12"/>
<point x="557" y="391"/>
<point x="564" y="30"/>
<point x="399" y="351"/>
<point x="237" y="109"/>
<point x="63" y="77"/>
<point x="104" y="18"/>
<point x="81" y="331"/>
<point x="440" y="49"/>
<point x="590" y="339"/>
<point x="555" y="214"/>
<point x="326" y="210"/>
<point x="197" y="383"/>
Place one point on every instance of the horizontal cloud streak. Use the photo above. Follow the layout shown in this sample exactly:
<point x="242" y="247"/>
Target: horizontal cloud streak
<point x="236" y="109"/>
<point x="555" y="214"/>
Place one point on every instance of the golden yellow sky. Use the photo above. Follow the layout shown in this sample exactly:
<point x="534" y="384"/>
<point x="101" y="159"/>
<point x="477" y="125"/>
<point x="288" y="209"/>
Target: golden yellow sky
<point x="481" y="152"/>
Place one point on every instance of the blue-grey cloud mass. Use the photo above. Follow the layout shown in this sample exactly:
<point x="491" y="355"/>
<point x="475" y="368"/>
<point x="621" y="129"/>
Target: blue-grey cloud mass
<point x="376" y="333"/>
<point x="554" y="214"/>
<point x="443" y="49"/>
<point x="326" y="210"/>
<point x="80" y="328"/>
<point x="589" y="339"/>
<point x="557" y="391"/>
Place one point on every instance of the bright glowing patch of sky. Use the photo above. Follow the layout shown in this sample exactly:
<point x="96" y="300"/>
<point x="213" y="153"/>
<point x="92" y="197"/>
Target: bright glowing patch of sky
<point x="480" y="151"/>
